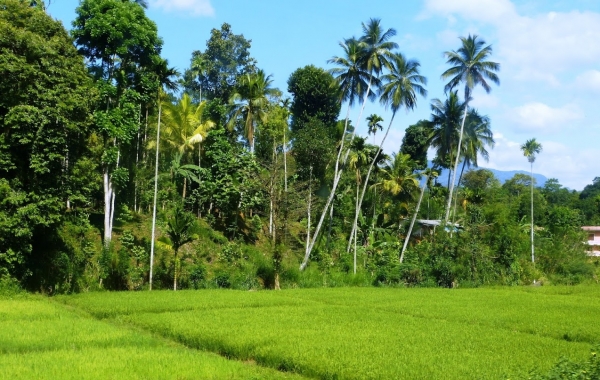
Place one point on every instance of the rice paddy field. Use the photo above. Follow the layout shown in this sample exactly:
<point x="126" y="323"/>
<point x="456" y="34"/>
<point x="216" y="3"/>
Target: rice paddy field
<point x="341" y="333"/>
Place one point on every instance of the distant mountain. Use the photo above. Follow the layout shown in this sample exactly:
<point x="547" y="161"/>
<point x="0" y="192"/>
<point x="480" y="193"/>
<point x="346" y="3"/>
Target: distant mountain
<point x="501" y="175"/>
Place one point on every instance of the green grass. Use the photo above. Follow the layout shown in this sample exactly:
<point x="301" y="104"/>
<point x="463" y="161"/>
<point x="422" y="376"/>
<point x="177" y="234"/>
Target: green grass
<point x="40" y="339"/>
<point x="356" y="333"/>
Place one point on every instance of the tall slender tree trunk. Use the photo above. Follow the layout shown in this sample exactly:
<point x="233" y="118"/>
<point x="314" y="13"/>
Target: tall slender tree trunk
<point x="155" y="194"/>
<point x="462" y="127"/>
<point x="412" y="223"/>
<point x="308" y="211"/>
<point x="107" y="203"/>
<point x="368" y="175"/>
<point x="337" y="176"/>
<point x="284" y="162"/>
<point x="184" y="187"/>
<point x="175" y="272"/>
<point x="462" y="170"/>
<point x="532" y="245"/>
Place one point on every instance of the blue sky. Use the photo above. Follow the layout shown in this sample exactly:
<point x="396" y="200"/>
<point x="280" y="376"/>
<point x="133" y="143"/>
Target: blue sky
<point x="548" y="51"/>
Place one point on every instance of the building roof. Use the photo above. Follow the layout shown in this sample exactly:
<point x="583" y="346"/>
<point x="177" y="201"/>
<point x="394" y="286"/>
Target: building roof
<point x="591" y="228"/>
<point x="434" y="223"/>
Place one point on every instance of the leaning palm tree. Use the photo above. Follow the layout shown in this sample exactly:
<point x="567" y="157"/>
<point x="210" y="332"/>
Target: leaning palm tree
<point x="469" y="66"/>
<point x="373" y="52"/>
<point x="429" y="173"/>
<point x="164" y="76"/>
<point x="477" y="137"/>
<point x="400" y="89"/>
<point x="530" y="149"/>
<point x="250" y="101"/>
<point x="358" y="159"/>
<point x="444" y="128"/>
<point x="374" y="123"/>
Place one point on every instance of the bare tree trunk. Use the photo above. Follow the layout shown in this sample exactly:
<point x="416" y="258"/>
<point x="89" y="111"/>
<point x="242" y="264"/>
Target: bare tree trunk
<point x="284" y="162"/>
<point x="456" y="196"/>
<point x="107" y="202"/>
<point x="462" y="127"/>
<point x="184" y="187"/>
<point x="113" y="194"/>
<point x="308" y="211"/>
<point x="369" y="173"/>
<point x="155" y="194"/>
<point x="175" y="272"/>
<point x="532" y="246"/>
<point x="337" y="176"/>
<point x="412" y="223"/>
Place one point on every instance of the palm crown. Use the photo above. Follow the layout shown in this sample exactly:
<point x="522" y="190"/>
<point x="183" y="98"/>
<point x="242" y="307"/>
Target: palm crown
<point x="469" y="66"/>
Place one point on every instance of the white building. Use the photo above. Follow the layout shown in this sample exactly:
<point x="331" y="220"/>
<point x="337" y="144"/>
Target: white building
<point x="593" y="239"/>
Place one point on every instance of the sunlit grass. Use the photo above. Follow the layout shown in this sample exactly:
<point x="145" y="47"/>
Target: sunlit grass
<point x="40" y="339"/>
<point x="372" y="333"/>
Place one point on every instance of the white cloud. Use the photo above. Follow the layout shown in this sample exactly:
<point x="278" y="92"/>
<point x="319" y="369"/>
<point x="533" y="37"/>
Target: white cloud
<point x="537" y="48"/>
<point x="540" y="117"/>
<point x="550" y="44"/>
<point x="190" y="7"/>
<point x="589" y="80"/>
<point x="484" y="101"/>
<point x="574" y="168"/>
<point x="484" y="10"/>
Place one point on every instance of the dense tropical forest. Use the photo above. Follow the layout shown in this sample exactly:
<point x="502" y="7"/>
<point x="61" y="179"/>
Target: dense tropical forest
<point x="119" y="172"/>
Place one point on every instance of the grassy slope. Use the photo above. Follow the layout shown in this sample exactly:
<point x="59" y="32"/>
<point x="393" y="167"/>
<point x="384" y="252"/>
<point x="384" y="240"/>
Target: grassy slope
<point x="372" y="333"/>
<point x="42" y="340"/>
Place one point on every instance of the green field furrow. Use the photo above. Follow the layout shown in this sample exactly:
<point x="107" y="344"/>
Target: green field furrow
<point x="360" y="343"/>
<point x="572" y="318"/>
<point x="40" y="339"/>
<point x="121" y="303"/>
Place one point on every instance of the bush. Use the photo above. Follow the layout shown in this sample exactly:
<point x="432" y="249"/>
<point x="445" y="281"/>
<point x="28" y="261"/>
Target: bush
<point x="566" y="369"/>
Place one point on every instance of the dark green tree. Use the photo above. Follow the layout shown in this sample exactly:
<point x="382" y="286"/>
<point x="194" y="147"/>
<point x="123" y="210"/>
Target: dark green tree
<point x="180" y="230"/>
<point x="45" y="101"/>
<point x="117" y="39"/>
<point x="415" y="143"/>
<point x="314" y="95"/>
<point x="226" y="58"/>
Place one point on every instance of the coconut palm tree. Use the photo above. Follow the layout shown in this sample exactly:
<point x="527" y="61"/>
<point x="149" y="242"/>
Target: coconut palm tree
<point x="199" y="68"/>
<point x="400" y="89"/>
<point x="469" y="66"/>
<point x="444" y="127"/>
<point x="477" y="137"/>
<point x="358" y="159"/>
<point x="165" y="76"/>
<point x="530" y="149"/>
<point x="250" y="101"/>
<point x="374" y="123"/>
<point x="373" y="50"/>
<point x="185" y="125"/>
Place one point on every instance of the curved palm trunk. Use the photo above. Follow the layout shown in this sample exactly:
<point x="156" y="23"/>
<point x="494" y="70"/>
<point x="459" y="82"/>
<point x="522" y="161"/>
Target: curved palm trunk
<point x="155" y="195"/>
<point x="412" y="223"/>
<point x="336" y="178"/>
<point x="308" y="212"/>
<point x="354" y="225"/>
<point x="462" y="127"/>
<point x="462" y="170"/>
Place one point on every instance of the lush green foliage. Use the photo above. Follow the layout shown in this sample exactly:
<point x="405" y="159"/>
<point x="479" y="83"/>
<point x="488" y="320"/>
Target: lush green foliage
<point x="271" y="182"/>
